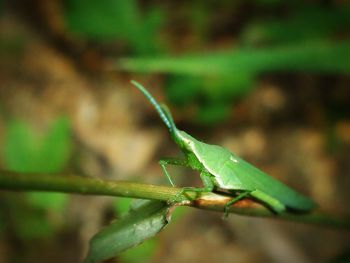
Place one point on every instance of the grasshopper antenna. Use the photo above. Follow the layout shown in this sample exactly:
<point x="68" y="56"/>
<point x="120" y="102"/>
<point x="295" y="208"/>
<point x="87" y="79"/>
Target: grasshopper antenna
<point x="166" y="117"/>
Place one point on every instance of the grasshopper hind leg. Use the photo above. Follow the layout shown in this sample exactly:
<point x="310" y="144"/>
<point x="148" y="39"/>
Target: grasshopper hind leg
<point x="270" y="201"/>
<point x="259" y="195"/>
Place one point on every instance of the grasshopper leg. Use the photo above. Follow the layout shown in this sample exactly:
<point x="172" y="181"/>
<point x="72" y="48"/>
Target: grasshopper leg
<point x="234" y="200"/>
<point x="172" y="161"/>
<point x="270" y="201"/>
<point x="207" y="182"/>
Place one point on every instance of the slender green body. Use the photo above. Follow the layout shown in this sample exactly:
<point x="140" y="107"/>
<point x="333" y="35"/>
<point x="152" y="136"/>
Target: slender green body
<point x="219" y="168"/>
<point x="232" y="173"/>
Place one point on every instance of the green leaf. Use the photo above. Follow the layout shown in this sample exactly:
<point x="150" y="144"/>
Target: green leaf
<point x="20" y="148"/>
<point x="30" y="223"/>
<point x="50" y="201"/>
<point x="213" y="113"/>
<point x="122" y="205"/>
<point x="314" y="22"/>
<point x="140" y="224"/>
<point x="213" y="81"/>
<point x="191" y="86"/>
<point x="108" y="20"/>
<point x="141" y="253"/>
<point x="26" y="150"/>
<point x="56" y="145"/>
<point x="315" y="56"/>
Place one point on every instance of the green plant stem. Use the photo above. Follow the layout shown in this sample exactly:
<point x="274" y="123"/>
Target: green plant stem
<point x="207" y="200"/>
<point x="83" y="185"/>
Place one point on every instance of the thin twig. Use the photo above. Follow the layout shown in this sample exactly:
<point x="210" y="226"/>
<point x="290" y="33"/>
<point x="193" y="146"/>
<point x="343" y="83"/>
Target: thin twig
<point x="207" y="200"/>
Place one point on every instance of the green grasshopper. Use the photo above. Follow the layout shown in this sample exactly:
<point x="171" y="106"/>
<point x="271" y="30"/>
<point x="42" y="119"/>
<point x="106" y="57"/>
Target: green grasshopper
<point x="219" y="168"/>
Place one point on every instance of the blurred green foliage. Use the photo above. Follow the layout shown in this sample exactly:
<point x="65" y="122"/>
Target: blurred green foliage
<point x="29" y="222"/>
<point x="27" y="151"/>
<point x="310" y="38"/>
<point x="309" y="23"/>
<point x="110" y="20"/>
<point x="307" y="38"/>
<point x="213" y="81"/>
<point x="316" y="57"/>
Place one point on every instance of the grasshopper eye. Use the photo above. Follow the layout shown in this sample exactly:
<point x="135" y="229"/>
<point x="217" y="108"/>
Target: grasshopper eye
<point x="190" y="144"/>
<point x="233" y="159"/>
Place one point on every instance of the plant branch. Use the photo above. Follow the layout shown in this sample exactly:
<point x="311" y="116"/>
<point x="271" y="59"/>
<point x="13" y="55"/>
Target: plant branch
<point x="207" y="200"/>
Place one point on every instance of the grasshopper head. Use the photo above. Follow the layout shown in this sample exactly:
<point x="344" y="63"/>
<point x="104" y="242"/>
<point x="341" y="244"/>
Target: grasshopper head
<point x="185" y="141"/>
